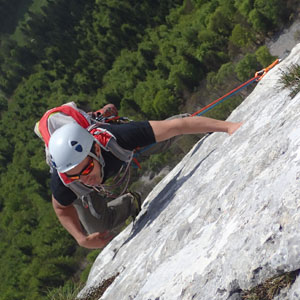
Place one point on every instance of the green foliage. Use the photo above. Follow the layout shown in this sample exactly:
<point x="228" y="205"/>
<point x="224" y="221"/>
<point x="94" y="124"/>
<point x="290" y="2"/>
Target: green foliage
<point x="291" y="80"/>
<point x="10" y="13"/>
<point x="67" y="292"/>
<point x="120" y="81"/>
<point x="210" y="49"/>
<point x="219" y="80"/>
<point x="15" y="64"/>
<point x="258" y="21"/>
<point x="223" y="110"/>
<point x="241" y="36"/>
<point x="156" y="161"/>
<point x="274" y="11"/>
<point x="263" y="56"/>
<point x="3" y="103"/>
<point x="221" y="21"/>
<point x="247" y="67"/>
<point x="165" y="104"/>
<point x="244" y="6"/>
<point x="264" y="15"/>
<point x="271" y="288"/>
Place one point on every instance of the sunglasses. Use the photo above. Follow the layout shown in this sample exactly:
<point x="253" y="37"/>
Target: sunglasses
<point x="85" y="171"/>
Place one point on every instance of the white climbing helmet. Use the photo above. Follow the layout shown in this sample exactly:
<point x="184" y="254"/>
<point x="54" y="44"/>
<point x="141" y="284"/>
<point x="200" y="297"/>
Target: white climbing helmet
<point x="69" y="145"/>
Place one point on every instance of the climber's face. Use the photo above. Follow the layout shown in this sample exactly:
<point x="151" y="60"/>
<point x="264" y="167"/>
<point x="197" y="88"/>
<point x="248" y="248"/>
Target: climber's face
<point x="88" y="171"/>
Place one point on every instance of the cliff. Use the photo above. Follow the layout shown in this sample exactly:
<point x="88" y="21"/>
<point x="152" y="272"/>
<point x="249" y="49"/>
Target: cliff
<point x="226" y="218"/>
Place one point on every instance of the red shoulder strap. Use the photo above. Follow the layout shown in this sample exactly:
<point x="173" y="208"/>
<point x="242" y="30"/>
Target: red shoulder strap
<point x="103" y="136"/>
<point x="66" y="109"/>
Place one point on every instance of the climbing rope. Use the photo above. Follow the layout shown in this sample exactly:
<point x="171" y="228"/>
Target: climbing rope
<point x="257" y="77"/>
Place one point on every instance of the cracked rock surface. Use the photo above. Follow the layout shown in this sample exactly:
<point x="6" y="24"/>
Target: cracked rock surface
<point x="224" y="219"/>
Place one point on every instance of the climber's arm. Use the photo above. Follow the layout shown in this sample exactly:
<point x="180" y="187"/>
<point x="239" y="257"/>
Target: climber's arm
<point x="69" y="219"/>
<point x="166" y="129"/>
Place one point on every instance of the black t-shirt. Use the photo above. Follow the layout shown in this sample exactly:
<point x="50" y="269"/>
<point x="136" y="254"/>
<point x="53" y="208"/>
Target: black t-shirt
<point x="129" y="136"/>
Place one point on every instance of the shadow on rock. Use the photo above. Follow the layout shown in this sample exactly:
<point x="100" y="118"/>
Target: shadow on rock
<point x="162" y="200"/>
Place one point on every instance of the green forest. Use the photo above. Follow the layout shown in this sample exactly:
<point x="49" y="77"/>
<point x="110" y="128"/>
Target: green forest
<point x="152" y="59"/>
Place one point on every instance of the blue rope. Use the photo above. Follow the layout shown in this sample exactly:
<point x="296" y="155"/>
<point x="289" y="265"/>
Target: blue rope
<point x="209" y="108"/>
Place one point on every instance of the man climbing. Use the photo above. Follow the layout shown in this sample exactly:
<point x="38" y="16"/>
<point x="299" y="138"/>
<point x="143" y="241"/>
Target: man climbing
<point x="91" y="163"/>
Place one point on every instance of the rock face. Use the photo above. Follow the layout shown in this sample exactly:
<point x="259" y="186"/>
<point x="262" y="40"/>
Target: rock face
<point x="223" y="220"/>
<point x="282" y="44"/>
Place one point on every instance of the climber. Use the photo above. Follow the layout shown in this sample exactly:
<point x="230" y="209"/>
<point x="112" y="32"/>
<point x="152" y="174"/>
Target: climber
<point x="88" y="164"/>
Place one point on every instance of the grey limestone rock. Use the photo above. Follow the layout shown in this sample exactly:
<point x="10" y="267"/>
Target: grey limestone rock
<point x="223" y="220"/>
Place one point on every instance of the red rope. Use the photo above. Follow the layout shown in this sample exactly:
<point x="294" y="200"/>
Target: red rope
<point x="226" y="95"/>
<point x="258" y="76"/>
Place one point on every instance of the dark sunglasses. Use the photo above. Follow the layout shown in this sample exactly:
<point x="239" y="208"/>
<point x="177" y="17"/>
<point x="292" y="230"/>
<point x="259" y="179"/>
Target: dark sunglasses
<point x="85" y="171"/>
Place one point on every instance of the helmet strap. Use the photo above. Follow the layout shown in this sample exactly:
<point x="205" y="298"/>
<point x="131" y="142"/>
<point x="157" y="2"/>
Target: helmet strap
<point x="100" y="160"/>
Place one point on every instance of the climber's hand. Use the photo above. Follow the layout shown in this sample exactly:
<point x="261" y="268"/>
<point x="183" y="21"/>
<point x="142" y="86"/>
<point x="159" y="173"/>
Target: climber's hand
<point x="233" y="127"/>
<point x="95" y="240"/>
